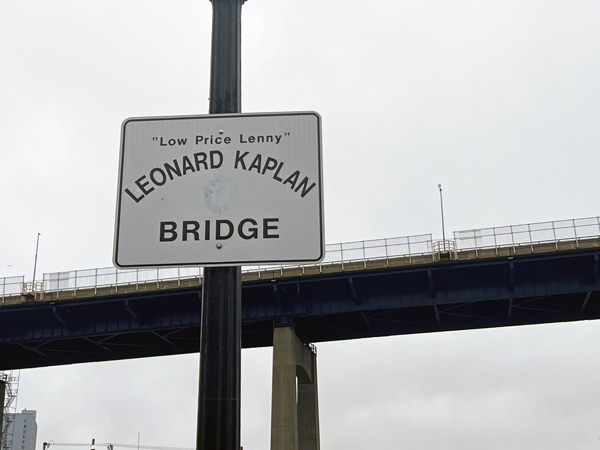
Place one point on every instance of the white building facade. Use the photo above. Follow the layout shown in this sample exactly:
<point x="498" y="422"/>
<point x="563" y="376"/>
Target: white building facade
<point x="24" y="430"/>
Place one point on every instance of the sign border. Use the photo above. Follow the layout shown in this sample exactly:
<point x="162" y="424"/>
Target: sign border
<point x="229" y="263"/>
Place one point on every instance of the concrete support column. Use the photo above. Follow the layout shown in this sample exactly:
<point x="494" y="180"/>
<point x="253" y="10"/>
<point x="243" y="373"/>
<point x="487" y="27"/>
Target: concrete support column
<point x="294" y="411"/>
<point x="284" y="414"/>
<point x="308" y="413"/>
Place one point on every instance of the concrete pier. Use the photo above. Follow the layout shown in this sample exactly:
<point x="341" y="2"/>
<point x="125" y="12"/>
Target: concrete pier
<point x="295" y="406"/>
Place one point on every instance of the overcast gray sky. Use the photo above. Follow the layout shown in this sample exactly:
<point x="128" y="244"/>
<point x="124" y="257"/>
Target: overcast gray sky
<point x="499" y="101"/>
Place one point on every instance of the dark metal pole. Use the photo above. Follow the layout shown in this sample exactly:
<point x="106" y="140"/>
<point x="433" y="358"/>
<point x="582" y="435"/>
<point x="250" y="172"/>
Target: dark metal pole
<point x="221" y="326"/>
<point x="226" y="65"/>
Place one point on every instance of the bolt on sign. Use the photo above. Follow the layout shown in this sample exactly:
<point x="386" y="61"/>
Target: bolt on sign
<point x="220" y="190"/>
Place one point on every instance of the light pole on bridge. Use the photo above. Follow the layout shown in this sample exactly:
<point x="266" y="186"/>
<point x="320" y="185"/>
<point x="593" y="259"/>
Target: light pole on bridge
<point x="442" y="208"/>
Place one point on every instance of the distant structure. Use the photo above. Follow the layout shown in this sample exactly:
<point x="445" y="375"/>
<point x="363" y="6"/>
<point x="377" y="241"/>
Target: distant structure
<point x="9" y="387"/>
<point x="19" y="430"/>
<point x="24" y="430"/>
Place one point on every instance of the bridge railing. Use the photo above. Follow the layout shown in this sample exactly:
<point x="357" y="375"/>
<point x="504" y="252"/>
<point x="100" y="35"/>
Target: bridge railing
<point x="10" y="286"/>
<point x="528" y="234"/>
<point x="343" y="253"/>
<point x="350" y="252"/>
<point x="111" y="276"/>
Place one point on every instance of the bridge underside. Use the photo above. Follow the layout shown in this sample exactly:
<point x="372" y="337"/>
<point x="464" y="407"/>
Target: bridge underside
<point x="349" y="304"/>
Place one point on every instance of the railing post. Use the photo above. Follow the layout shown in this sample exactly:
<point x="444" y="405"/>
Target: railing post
<point x="554" y="234"/>
<point x="475" y="241"/>
<point x="387" y="256"/>
<point x="530" y="237"/>
<point x="495" y="241"/>
<point x="512" y="238"/>
<point x="575" y="231"/>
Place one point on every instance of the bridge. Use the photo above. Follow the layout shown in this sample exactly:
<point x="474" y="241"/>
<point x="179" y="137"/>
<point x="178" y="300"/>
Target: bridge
<point x="503" y="276"/>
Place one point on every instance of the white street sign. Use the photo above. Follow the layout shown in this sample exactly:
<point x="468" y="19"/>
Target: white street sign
<point x="217" y="190"/>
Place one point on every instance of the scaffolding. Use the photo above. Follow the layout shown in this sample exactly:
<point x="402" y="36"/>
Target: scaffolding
<point x="11" y="380"/>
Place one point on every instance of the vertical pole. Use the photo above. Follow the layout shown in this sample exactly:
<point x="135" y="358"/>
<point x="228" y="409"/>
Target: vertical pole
<point x="442" y="207"/>
<point x="225" y="68"/>
<point x="220" y="354"/>
<point x="220" y="335"/>
<point x="35" y="262"/>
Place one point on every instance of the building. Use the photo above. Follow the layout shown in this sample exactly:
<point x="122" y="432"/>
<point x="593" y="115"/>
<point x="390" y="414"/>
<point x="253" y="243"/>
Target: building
<point x="23" y="430"/>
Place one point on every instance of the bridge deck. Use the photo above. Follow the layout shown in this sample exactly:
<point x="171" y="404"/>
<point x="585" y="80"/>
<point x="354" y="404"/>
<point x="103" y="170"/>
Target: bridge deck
<point x="311" y="270"/>
<point x="503" y="286"/>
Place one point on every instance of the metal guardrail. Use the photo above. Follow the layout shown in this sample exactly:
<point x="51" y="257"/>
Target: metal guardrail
<point x="33" y="290"/>
<point x="359" y="251"/>
<point x="11" y="286"/>
<point x="111" y="276"/>
<point x="344" y="253"/>
<point x="528" y="234"/>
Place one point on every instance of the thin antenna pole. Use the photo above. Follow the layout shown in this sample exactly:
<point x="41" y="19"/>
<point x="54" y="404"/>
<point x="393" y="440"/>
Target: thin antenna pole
<point x="442" y="208"/>
<point x="36" y="253"/>
<point x="138" y="441"/>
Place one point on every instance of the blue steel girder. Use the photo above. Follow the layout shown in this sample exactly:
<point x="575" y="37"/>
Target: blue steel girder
<point x="447" y="295"/>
